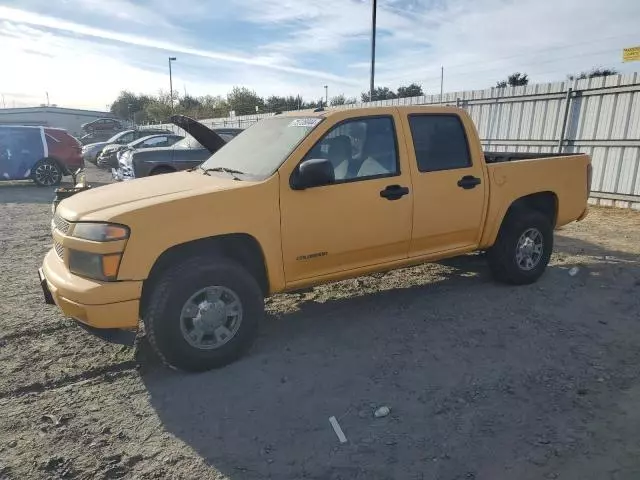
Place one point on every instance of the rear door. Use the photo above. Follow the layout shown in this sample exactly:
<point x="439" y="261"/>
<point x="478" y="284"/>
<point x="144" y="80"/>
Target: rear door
<point x="450" y="188"/>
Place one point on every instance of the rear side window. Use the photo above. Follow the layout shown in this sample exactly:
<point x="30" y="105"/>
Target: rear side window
<point x="440" y="142"/>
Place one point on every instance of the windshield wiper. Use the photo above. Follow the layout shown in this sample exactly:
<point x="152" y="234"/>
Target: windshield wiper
<point x="230" y="171"/>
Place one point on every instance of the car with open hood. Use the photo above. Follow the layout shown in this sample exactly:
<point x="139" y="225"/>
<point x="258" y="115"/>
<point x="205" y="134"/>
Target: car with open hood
<point x="91" y="151"/>
<point x="200" y="143"/>
<point x="108" y="158"/>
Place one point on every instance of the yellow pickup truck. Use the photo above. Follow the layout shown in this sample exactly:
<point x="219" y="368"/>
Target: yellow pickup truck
<point x="297" y="200"/>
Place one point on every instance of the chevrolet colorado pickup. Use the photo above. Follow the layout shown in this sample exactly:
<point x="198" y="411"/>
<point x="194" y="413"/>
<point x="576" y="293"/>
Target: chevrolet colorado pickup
<point x="297" y="200"/>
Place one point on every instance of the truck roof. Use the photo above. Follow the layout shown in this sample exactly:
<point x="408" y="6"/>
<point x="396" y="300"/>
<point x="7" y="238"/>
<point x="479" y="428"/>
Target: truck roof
<point x="325" y="113"/>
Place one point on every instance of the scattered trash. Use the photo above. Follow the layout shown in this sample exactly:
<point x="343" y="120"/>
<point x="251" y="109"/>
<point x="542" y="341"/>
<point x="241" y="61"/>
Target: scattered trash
<point x="336" y="428"/>
<point x="574" y="271"/>
<point x="382" y="412"/>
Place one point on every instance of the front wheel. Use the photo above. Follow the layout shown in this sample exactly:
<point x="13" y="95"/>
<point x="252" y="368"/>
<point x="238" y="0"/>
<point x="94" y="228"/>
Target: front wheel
<point x="47" y="173"/>
<point x="523" y="248"/>
<point x="203" y="313"/>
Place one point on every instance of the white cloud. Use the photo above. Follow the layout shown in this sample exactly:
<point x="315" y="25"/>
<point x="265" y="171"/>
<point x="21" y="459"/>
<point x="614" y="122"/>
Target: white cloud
<point x="477" y="41"/>
<point x="23" y="17"/>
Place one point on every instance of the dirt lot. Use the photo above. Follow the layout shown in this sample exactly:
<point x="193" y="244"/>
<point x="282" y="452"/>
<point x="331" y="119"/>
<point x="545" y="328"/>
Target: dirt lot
<point x="483" y="381"/>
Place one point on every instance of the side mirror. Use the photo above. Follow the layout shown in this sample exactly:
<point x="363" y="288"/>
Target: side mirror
<point x="314" y="172"/>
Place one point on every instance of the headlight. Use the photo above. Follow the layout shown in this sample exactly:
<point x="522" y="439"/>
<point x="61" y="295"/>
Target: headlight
<point x="100" y="232"/>
<point x="94" y="265"/>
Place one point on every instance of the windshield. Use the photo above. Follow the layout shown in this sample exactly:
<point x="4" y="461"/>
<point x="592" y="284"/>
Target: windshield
<point x="121" y="137"/>
<point x="261" y="149"/>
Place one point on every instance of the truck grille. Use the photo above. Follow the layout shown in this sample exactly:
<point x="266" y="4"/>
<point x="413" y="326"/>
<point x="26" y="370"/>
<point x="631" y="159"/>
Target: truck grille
<point x="59" y="249"/>
<point x="61" y="224"/>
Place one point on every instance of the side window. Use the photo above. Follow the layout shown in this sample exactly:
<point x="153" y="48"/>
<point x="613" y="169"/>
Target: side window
<point x="127" y="138"/>
<point x="360" y="148"/>
<point x="156" y="142"/>
<point x="440" y="142"/>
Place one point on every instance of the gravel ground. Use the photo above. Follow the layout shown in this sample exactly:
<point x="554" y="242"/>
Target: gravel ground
<point x="483" y="381"/>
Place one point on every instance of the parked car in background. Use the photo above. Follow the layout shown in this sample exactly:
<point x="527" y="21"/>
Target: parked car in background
<point x="187" y="153"/>
<point x="93" y="137"/>
<point x="108" y="158"/>
<point x="110" y="124"/>
<point x="91" y="151"/>
<point x="41" y="154"/>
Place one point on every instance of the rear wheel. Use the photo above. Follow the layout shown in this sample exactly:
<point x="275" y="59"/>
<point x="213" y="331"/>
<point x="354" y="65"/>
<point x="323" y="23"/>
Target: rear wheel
<point x="523" y="248"/>
<point x="203" y="313"/>
<point x="47" y="173"/>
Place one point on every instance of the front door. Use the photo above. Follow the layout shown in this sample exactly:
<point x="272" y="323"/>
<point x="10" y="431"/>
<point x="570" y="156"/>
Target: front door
<point x="364" y="217"/>
<point x="449" y="183"/>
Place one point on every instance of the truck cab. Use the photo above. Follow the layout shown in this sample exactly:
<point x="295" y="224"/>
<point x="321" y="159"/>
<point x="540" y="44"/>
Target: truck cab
<point x="294" y="201"/>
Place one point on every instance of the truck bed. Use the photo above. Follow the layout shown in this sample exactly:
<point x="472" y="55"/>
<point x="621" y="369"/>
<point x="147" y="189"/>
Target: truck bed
<point x="499" y="157"/>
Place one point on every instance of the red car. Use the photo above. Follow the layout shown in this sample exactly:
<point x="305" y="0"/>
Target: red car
<point x="42" y="154"/>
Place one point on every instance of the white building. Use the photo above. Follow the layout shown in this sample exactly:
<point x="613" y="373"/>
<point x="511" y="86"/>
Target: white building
<point x="68" y="118"/>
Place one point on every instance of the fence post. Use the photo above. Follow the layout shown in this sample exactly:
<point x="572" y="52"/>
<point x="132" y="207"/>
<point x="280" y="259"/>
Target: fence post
<point x="565" y="118"/>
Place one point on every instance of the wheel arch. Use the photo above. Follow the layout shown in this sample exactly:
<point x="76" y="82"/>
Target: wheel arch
<point x="240" y="247"/>
<point x="545" y="202"/>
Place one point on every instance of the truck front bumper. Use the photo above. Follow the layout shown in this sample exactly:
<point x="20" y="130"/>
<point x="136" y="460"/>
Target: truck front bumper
<point x="94" y="303"/>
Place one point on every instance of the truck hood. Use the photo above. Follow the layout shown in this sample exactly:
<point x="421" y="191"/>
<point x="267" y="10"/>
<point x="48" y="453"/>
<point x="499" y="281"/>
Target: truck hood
<point x="131" y="194"/>
<point x="203" y="135"/>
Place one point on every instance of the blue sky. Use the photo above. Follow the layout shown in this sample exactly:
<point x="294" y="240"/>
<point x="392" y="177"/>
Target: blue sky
<point x="83" y="52"/>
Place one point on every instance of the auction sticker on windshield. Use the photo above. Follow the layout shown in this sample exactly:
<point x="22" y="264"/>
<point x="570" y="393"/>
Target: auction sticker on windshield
<point x="305" y="122"/>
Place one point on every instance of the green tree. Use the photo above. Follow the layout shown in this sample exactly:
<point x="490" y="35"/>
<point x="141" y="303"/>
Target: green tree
<point x="379" y="93"/>
<point x="214" y="107"/>
<point x="244" y="101"/>
<point x="159" y="109"/>
<point x="281" y="104"/>
<point x="338" y="100"/>
<point x="412" y="90"/>
<point x="129" y="105"/>
<point x="595" y="72"/>
<point x="516" y="79"/>
<point x="189" y="104"/>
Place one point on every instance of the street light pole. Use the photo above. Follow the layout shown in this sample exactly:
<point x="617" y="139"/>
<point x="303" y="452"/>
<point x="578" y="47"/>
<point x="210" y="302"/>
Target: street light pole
<point x="373" y="48"/>
<point x="171" y="59"/>
<point x="326" y="95"/>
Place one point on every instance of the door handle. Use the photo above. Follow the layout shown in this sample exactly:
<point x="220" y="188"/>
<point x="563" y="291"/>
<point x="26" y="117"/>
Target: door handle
<point x="469" y="181"/>
<point x="394" y="192"/>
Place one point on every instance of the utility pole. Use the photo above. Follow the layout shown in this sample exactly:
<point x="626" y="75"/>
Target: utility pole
<point x="171" y="59"/>
<point x="373" y="49"/>
<point x="47" y="93"/>
<point x="326" y="95"/>
<point x="441" y="83"/>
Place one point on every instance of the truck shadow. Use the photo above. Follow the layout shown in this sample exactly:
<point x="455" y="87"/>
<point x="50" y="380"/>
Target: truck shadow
<point x="473" y="372"/>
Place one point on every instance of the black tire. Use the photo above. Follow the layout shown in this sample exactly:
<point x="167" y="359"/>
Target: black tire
<point x="47" y="173"/>
<point x="161" y="170"/>
<point x="172" y="291"/>
<point x="503" y="256"/>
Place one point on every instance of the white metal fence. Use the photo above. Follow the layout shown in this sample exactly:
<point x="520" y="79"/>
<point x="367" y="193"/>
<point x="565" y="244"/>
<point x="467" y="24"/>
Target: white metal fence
<point x="599" y="116"/>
